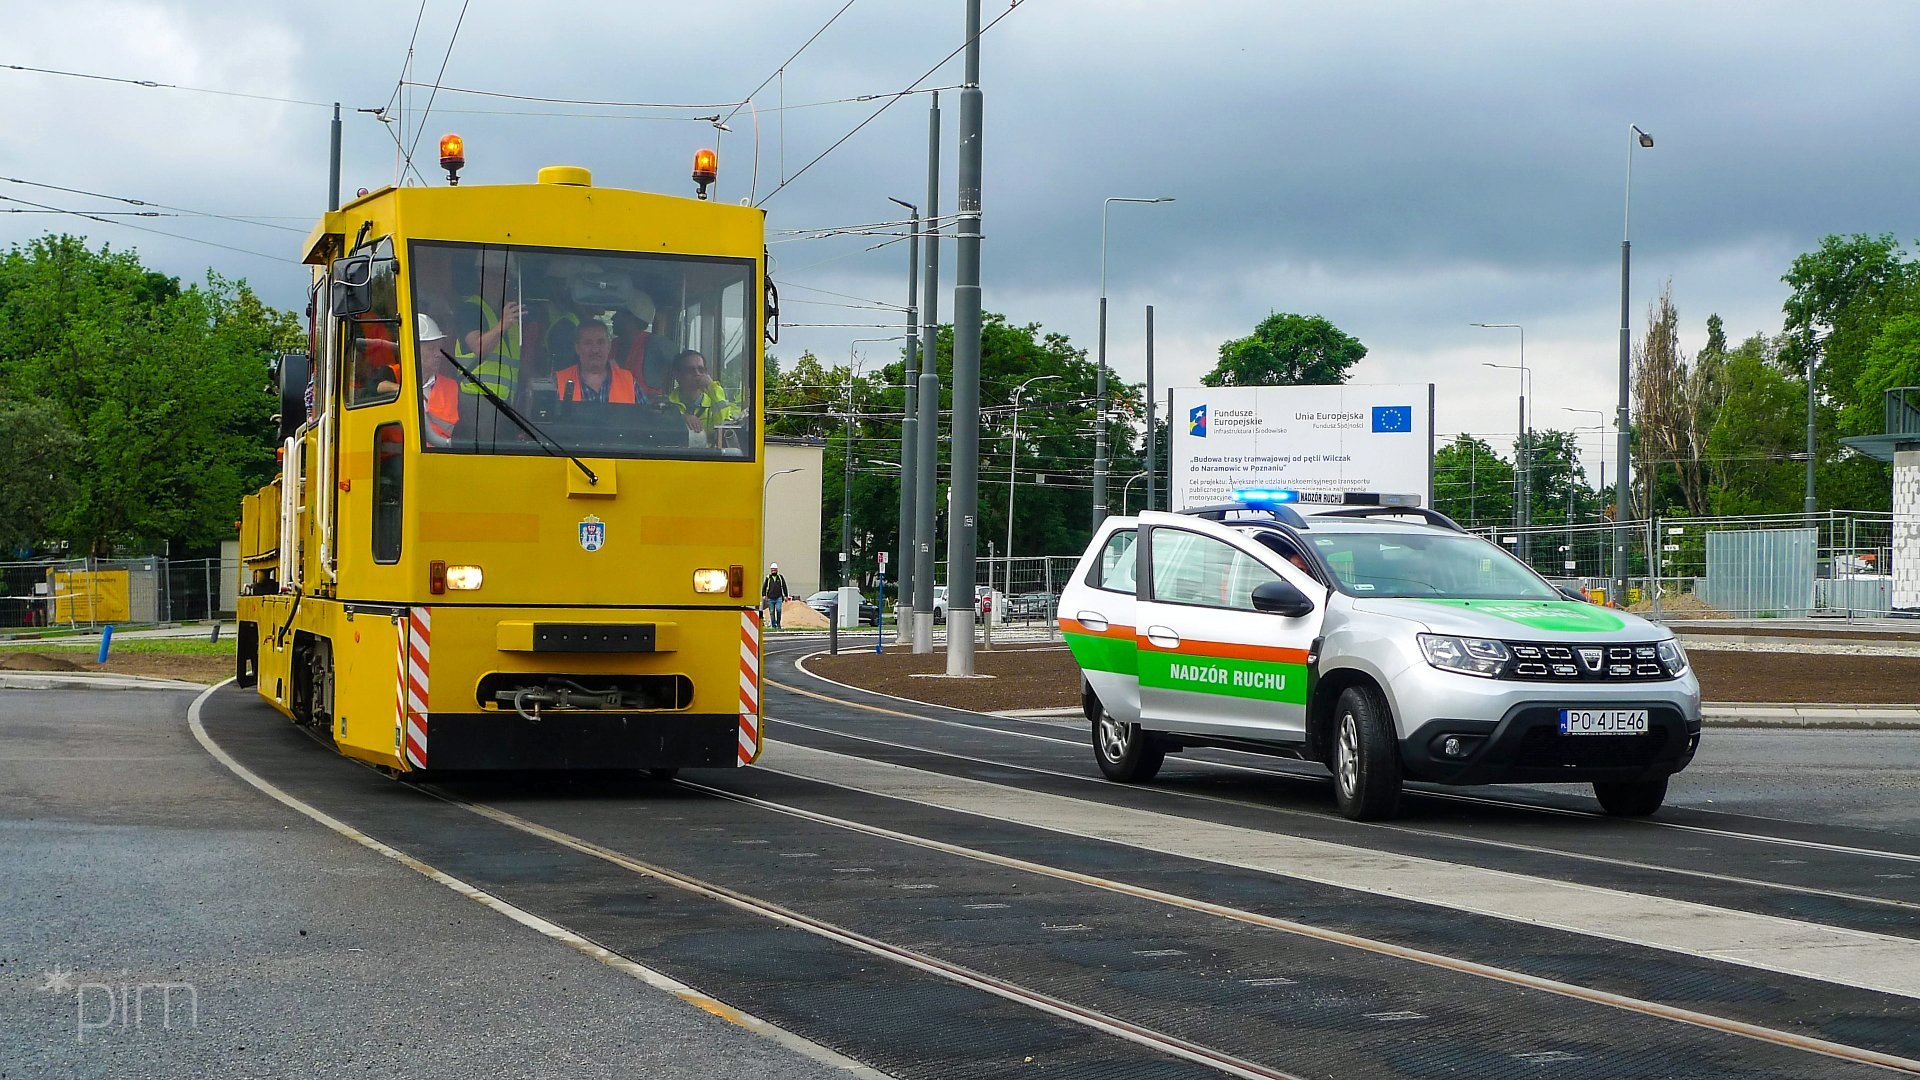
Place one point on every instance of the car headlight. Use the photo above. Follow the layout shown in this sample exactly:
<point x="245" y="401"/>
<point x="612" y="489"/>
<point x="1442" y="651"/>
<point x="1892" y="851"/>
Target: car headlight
<point x="1673" y="657"/>
<point x="1484" y="657"/>
<point x="710" y="581"/>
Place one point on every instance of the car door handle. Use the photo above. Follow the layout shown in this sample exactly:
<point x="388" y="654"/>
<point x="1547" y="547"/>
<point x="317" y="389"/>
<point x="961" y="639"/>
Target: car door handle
<point x="1092" y="620"/>
<point x="1163" y="637"/>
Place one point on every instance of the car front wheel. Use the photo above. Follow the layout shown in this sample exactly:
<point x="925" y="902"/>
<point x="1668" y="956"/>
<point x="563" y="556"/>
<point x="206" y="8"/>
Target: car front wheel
<point x="1631" y="799"/>
<point x="1126" y="753"/>
<point x="1366" y="756"/>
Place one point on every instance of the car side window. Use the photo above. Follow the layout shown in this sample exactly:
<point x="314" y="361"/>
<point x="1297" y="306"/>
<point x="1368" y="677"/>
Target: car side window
<point x="1192" y="569"/>
<point x="1114" y="570"/>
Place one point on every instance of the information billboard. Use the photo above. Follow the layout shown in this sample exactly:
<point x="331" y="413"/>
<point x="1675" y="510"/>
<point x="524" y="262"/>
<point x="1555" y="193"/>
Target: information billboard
<point x="1330" y="438"/>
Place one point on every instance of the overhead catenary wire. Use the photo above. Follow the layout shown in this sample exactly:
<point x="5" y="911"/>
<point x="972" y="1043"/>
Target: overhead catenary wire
<point x="420" y="125"/>
<point x="179" y="210"/>
<point x="875" y="115"/>
<point x="778" y="71"/>
<point x="155" y="85"/>
<point x="143" y="228"/>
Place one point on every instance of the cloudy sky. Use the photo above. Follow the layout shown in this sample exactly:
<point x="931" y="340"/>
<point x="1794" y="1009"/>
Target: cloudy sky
<point x="1404" y="169"/>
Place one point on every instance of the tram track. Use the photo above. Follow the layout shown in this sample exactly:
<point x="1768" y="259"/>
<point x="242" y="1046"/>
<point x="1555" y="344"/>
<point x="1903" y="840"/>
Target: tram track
<point x="985" y="723"/>
<point x="1135" y="1028"/>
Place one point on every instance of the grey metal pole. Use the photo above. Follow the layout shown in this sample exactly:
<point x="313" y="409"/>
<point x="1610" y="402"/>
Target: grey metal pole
<point x="1100" y="397"/>
<point x="1151" y="403"/>
<point x="1810" y="507"/>
<point x="1521" y="505"/>
<point x="966" y="370"/>
<point x="927" y="455"/>
<point x="846" y="489"/>
<point x="333" y="163"/>
<point x="1635" y="137"/>
<point x="909" y="440"/>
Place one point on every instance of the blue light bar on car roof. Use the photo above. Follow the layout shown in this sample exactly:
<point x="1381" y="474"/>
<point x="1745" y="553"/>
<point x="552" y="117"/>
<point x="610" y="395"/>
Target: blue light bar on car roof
<point x="1261" y="497"/>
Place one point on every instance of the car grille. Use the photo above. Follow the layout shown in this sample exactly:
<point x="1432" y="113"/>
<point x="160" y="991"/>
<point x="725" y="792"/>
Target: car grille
<point x="1610" y="662"/>
<point x="1545" y="747"/>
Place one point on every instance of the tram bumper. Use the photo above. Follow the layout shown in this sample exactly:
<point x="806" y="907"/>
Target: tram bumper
<point x="565" y="739"/>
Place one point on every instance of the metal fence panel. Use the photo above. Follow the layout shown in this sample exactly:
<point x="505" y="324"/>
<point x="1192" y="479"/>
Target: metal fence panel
<point x="1762" y="572"/>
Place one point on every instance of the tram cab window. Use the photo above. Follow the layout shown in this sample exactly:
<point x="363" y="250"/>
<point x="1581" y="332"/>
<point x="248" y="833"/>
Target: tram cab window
<point x="370" y="350"/>
<point x="592" y="346"/>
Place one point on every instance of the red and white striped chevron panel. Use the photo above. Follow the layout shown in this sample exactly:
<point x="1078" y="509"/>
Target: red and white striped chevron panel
<point x="419" y="653"/>
<point x="749" y="685"/>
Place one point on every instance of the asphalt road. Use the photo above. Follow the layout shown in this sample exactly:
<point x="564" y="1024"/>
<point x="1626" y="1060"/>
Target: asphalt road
<point x="937" y="893"/>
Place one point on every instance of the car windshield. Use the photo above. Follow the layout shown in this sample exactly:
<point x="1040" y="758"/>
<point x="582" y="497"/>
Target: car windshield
<point x="610" y="353"/>
<point x="1402" y="564"/>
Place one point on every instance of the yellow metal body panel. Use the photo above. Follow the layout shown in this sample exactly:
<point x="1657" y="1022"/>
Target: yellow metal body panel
<point x="517" y="516"/>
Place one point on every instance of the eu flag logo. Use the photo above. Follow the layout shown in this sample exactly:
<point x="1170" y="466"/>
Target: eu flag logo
<point x="1393" y="418"/>
<point x="1197" y="421"/>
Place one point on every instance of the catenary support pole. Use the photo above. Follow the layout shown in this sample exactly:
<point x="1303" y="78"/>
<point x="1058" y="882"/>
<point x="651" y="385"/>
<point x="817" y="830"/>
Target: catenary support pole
<point x="963" y="522"/>
<point x="333" y="162"/>
<point x="927" y="455"/>
<point x="909" y="440"/>
<point x="1151" y="410"/>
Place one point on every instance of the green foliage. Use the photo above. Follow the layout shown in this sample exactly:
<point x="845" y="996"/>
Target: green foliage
<point x="1472" y="484"/>
<point x="1054" y="504"/>
<point x="38" y="479"/>
<point x="1287" y="350"/>
<point x="161" y="385"/>
<point x="1759" y="423"/>
<point x="1892" y="361"/>
<point x="1557" y="482"/>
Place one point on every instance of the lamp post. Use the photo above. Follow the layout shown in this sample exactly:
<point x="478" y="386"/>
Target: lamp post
<point x="1523" y="477"/>
<point x="846" y="458"/>
<point x="1601" y="427"/>
<point x="1127" y="487"/>
<point x="909" y="427"/>
<point x="1100" y="370"/>
<point x="1636" y="139"/>
<point x="1013" y="458"/>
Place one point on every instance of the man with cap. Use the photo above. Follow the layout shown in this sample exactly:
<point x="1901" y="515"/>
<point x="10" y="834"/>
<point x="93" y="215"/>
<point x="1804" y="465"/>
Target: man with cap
<point x="773" y="594"/>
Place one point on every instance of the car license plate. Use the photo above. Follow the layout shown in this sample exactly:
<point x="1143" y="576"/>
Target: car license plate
<point x="1603" y="721"/>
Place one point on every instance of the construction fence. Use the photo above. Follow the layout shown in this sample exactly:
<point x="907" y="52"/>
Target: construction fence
<point x="90" y="593"/>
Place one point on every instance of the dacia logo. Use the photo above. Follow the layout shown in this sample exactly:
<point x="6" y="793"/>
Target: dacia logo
<point x="1593" y="658"/>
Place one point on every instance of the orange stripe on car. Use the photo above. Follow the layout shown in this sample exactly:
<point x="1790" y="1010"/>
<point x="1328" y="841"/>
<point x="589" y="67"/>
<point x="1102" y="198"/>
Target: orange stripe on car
<point x="1075" y="626"/>
<point x="1226" y="650"/>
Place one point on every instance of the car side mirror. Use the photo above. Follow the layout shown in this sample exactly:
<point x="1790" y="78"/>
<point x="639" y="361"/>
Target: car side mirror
<point x="1572" y="594"/>
<point x="352" y="290"/>
<point x="1281" y="598"/>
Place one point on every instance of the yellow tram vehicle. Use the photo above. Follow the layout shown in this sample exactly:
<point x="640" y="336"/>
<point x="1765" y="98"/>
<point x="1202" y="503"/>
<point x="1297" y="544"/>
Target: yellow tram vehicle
<point x="520" y="484"/>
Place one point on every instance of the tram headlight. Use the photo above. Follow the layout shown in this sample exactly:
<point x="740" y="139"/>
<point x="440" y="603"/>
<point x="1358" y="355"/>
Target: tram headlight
<point x="709" y="581"/>
<point x="464" y="578"/>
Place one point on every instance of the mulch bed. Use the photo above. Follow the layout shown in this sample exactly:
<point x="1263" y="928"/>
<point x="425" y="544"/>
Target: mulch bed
<point x="1047" y="678"/>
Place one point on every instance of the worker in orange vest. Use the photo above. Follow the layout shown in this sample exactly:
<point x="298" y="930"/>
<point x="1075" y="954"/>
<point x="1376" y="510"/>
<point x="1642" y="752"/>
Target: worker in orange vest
<point x="594" y="377"/>
<point x="441" y="386"/>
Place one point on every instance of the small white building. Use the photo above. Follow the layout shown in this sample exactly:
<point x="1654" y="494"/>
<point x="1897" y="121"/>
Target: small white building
<point x="794" y="505"/>
<point x="1900" y="444"/>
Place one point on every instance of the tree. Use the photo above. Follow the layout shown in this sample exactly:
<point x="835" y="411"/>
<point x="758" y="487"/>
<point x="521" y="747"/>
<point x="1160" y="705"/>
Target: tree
<point x="38" y="479"/>
<point x="1760" y="426"/>
<point x="1472" y="484"/>
<point x="162" y="385"/>
<point x="1287" y="350"/>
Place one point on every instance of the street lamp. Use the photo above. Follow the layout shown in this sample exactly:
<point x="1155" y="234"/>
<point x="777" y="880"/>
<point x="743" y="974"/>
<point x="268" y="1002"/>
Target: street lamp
<point x="1100" y="370"/>
<point x="1523" y="486"/>
<point x="1637" y="140"/>
<point x="1127" y="487"/>
<point x="1013" y="458"/>
<point x="1602" y="429"/>
<point x="846" y="458"/>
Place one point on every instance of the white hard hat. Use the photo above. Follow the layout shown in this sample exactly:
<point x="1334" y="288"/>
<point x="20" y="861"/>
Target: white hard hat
<point x="642" y="307"/>
<point x="430" y="330"/>
<point x="773" y="566"/>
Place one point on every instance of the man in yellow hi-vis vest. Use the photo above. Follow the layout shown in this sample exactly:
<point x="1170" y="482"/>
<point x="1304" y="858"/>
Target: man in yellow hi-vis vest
<point x="489" y="345"/>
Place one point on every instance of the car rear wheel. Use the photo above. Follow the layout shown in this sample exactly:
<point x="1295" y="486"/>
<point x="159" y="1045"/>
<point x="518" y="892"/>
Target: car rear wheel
<point x="1632" y="799"/>
<point x="1366" y="756"/>
<point x="1126" y="753"/>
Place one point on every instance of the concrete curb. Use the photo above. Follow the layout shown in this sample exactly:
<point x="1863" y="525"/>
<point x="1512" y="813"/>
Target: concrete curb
<point x="1713" y="714"/>
<point x="80" y="680"/>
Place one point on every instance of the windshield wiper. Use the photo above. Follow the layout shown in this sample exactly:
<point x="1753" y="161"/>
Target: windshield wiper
<point x="542" y="439"/>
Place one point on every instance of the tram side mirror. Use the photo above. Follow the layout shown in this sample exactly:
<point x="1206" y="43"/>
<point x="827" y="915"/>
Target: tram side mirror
<point x="1281" y="598"/>
<point x="773" y="313"/>
<point x="352" y="292"/>
<point x="291" y="372"/>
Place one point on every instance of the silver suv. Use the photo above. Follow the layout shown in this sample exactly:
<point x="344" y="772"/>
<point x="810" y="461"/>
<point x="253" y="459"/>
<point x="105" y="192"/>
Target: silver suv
<point x="1381" y="640"/>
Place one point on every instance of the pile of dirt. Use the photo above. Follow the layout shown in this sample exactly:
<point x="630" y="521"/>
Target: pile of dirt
<point x="796" y="615"/>
<point x="28" y="661"/>
<point x="1022" y="677"/>
<point x="1682" y="606"/>
<point x="1048" y="678"/>
<point x="199" y="669"/>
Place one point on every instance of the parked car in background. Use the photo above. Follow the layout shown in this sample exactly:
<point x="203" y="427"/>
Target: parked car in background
<point x="826" y="601"/>
<point x="1031" y="605"/>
